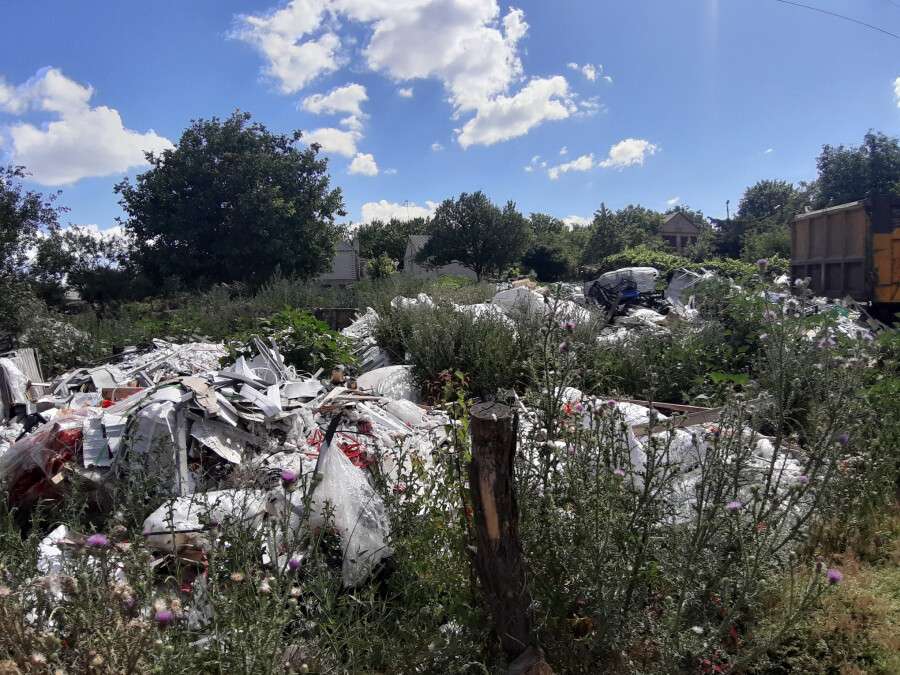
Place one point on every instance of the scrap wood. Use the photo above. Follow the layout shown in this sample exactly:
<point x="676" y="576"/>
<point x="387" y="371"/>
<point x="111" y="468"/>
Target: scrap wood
<point x="703" y="416"/>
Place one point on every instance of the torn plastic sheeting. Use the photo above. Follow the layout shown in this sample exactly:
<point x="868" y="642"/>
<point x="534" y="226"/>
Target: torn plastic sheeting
<point x="220" y="439"/>
<point x="182" y="522"/>
<point x="13" y="387"/>
<point x="421" y="300"/>
<point x="394" y="382"/>
<point x="643" y="279"/>
<point x="301" y="389"/>
<point x="363" y="326"/>
<point x="31" y="465"/>
<point x="520" y="299"/>
<point x="358" y="514"/>
<point x="641" y="317"/>
<point x="269" y="406"/>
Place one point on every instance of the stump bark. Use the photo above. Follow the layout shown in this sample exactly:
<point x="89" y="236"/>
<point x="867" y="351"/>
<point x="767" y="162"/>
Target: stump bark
<point x="498" y="559"/>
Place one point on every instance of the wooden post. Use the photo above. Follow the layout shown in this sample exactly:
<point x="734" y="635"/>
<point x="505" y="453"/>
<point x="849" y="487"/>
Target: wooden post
<point x="498" y="558"/>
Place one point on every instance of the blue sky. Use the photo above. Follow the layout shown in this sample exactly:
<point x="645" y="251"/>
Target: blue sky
<point x="705" y="97"/>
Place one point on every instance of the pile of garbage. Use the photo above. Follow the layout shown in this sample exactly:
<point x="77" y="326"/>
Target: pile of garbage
<point x="172" y="422"/>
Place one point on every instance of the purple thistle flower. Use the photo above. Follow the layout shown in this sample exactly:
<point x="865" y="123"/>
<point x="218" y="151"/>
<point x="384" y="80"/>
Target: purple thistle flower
<point x="564" y="347"/>
<point x="568" y="326"/>
<point x="579" y="407"/>
<point x="294" y="564"/>
<point x="288" y="477"/>
<point x="611" y="404"/>
<point x="620" y="473"/>
<point x="844" y="439"/>
<point x="97" y="541"/>
<point x="762" y="264"/>
<point x="835" y="576"/>
<point x="164" y="617"/>
<point x="734" y="506"/>
<point x="803" y="480"/>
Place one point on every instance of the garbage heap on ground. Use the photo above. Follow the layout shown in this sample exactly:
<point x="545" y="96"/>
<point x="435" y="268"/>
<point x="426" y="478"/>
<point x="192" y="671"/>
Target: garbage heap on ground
<point x="173" y="423"/>
<point x="214" y="443"/>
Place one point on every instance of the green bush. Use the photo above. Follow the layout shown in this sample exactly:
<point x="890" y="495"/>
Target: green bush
<point x="439" y="340"/>
<point x="306" y="343"/>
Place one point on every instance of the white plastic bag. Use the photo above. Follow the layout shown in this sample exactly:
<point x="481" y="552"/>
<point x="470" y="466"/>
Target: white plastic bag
<point x="358" y="515"/>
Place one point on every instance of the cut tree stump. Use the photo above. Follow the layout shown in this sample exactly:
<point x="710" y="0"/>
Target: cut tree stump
<point x="498" y="559"/>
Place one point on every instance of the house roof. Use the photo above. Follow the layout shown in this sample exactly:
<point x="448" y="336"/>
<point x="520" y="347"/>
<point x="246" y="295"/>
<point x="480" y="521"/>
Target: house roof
<point x="678" y="222"/>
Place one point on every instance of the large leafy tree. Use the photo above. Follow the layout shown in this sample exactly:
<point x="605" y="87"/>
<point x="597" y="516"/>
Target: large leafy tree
<point x="379" y="238"/>
<point x="611" y="232"/>
<point x="24" y="215"/>
<point x="95" y="265"/>
<point x="232" y="202"/>
<point x="847" y="174"/>
<point x="474" y="231"/>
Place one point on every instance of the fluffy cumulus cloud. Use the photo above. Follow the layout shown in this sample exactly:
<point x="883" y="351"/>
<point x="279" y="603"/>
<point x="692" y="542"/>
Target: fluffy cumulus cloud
<point x="292" y="62"/>
<point x="629" y="152"/>
<point x="346" y="100"/>
<point x="363" y="164"/>
<point x="465" y="44"/>
<point x="535" y="163"/>
<point x="582" y="163"/>
<point x="332" y="140"/>
<point x="673" y="201"/>
<point x="385" y="210"/>
<point x="505" y="117"/>
<point x="82" y="141"/>
<point x="436" y="147"/>
<point x="897" y="91"/>
<point x="768" y="151"/>
<point x="405" y="92"/>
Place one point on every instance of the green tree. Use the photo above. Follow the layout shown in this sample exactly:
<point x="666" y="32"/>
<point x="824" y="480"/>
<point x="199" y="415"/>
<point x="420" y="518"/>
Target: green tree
<point x="847" y="174"/>
<point x="96" y="266"/>
<point x="389" y="238"/>
<point x="605" y="239"/>
<point x="232" y="201"/>
<point x="25" y="216"/>
<point x="544" y="226"/>
<point x="475" y="232"/>
<point x="768" y="199"/>
<point x="549" y="260"/>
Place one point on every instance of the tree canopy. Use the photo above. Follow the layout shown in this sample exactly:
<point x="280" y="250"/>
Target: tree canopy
<point x="24" y="215"/>
<point x="380" y="238"/>
<point x="847" y="174"/>
<point x="475" y="232"/>
<point x="232" y="202"/>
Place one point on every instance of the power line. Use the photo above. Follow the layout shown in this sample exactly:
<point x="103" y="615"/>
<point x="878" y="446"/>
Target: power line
<point x="840" y="16"/>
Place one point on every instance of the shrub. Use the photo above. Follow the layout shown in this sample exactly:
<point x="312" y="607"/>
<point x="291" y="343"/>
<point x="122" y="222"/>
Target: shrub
<point x="306" y="343"/>
<point x="441" y="340"/>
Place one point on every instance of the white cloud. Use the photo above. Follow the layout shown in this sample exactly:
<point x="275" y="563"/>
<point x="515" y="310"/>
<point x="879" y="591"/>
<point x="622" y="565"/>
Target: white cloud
<point x="768" y="151"/>
<point x="897" y="91"/>
<point x="390" y="172"/>
<point x="346" y="99"/>
<point x="506" y="117"/>
<point x="628" y="152"/>
<point x="576" y="221"/>
<point x="363" y="164"/>
<point x="465" y="44"/>
<point x="292" y="63"/>
<point x="528" y="168"/>
<point x="436" y="147"/>
<point x="564" y="150"/>
<point x="385" y="210"/>
<point x="334" y="140"/>
<point x="84" y="141"/>
<point x="673" y="201"/>
<point x="405" y="92"/>
<point x="582" y="163"/>
<point x="589" y="107"/>
<point x="590" y="71"/>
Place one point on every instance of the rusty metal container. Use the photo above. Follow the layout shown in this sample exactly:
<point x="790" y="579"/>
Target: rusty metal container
<point x="851" y="249"/>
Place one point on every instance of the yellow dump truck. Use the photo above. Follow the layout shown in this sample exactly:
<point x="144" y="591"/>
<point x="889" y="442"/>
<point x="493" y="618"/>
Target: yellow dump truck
<point x="850" y="249"/>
